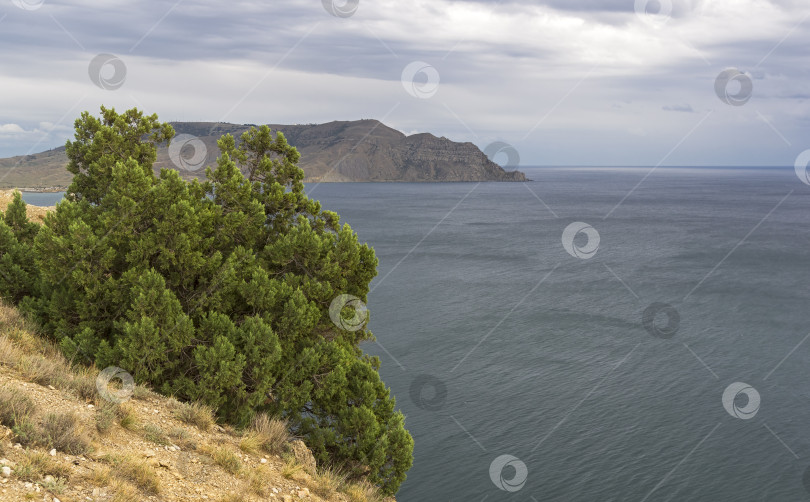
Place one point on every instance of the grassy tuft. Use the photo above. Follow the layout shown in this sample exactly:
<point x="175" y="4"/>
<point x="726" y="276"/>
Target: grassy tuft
<point x="135" y="470"/>
<point x="63" y="432"/>
<point x="155" y="434"/>
<point x="106" y="415"/>
<point x="35" y="465"/>
<point x="15" y="407"/>
<point x="291" y="468"/>
<point x="327" y="482"/>
<point x="362" y="492"/>
<point x="196" y="414"/>
<point x="224" y="458"/>
<point x="272" y="433"/>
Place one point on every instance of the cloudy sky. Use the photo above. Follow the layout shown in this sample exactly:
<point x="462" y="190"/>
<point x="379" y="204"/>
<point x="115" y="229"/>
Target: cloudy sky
<point x="565" y="82"/>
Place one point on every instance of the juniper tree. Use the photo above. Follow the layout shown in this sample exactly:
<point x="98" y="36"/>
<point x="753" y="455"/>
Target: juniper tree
<point x="216" y="291"/>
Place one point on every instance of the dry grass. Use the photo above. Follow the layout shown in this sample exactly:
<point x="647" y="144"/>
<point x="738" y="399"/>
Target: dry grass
<point x="257" y="480"/>
<point x="126" y="417"/>
<point x="223" y="457"/>
<point x="45" y="370"/>
<point x="36" y="465"/>
<point x="143" y="393"/>
<point x="83" y="383"/>
<point x="155" y="434"/>
<point x="106" y="415"/>
<point x="362" y="492"/>
<point x="124" y="492"/>
<point x="15" y="407"/>
<point x="64" y="432"/>
<point x="250" y="443"/>
<point x="136" y="471"/>
<point x="196" y="414"/>
<point x="272" y="433"/>
<point x="327" y="482"/>
<point x="291" y="468"/>
<point x="101" y="476"/>
<point x="55" y="485"/>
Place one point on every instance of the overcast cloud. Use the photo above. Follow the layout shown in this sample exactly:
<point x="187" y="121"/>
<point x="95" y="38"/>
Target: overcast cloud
<point x="566" y="82"/>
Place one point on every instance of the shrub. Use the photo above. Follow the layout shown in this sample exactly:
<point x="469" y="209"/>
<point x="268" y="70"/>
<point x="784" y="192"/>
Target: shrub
<point x="216" y="291"/>
<point x="106" y="415"/>
<point x="63" y="432"/>
<point x="15" y="407"/>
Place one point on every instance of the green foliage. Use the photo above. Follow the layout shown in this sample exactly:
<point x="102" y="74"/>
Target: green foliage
<point x="216" y="292"/>
<point x="17" y="267"/>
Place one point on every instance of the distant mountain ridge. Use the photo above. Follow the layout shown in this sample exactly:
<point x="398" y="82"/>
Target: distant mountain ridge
<point x="340" y="151"/>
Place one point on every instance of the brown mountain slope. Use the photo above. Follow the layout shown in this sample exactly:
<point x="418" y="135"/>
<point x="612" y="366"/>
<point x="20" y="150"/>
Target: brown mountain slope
<point x="360" y="150"/>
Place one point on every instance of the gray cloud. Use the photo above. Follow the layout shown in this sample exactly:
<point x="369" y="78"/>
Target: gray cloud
<point x="565" y="82"/>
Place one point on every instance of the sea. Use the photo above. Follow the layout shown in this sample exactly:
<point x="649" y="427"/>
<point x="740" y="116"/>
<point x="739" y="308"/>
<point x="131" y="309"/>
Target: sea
<point x="595" y="334"/>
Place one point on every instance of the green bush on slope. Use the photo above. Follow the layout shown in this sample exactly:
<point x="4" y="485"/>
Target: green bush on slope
<point x="216" y="292"/>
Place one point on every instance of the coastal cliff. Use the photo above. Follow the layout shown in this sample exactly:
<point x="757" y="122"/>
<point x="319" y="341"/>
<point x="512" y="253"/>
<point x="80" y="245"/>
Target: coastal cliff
<point x="344" y="151"/>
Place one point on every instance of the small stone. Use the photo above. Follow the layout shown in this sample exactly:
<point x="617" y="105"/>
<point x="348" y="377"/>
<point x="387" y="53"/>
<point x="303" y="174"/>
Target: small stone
<point x="263" y="461"/>
<point x="28" y="485"/>
<point x="6" y="471"/>
<point x="52" y="387"/>
<point x="90" y="406"/>
<point x="275" y="490"/>
<point x="52" y="452"/>
<point x="17" y="446"/>
<point x="149" y="453"/>
<point x="56" y="500"/>
<point x="49" y="479"/>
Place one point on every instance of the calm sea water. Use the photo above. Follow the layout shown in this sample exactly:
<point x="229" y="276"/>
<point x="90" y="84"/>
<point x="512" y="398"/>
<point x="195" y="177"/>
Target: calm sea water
<point x="497" y="341"/>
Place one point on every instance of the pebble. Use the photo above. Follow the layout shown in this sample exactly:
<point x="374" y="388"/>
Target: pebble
<point x="90" y="406"/>
<point x="6" y="471"/>
<point x="52" y="387"/>
<point x="263" y="461"/>
<point x="52" y="452"/>
<point x="49" y="479"/>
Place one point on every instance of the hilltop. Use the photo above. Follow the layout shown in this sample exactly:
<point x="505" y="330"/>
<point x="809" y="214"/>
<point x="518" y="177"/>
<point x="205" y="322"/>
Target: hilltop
<point x="340" y="151"/>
